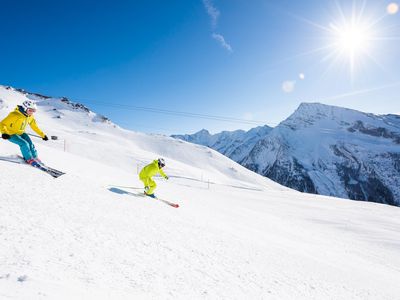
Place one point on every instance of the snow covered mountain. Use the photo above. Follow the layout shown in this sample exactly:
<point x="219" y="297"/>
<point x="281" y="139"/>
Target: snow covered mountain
<point x="329" y="150"/>
<point x="234" y="144"/>
<point x="91" y="234"/>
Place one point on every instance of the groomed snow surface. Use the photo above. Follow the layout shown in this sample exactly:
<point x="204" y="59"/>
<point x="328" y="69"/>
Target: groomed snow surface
<point x="236" y="235"/>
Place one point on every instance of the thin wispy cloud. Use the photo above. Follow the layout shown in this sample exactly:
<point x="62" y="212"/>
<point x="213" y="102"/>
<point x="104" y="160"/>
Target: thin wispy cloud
<point x="214" y="14"/>
<point x="212" y="11"/>
<point x="363" y="91"/>
<point x="222" y="41"/>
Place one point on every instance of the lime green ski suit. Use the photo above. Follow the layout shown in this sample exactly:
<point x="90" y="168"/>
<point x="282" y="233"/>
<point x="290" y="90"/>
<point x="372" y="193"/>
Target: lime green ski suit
<point x="147" y="172"/>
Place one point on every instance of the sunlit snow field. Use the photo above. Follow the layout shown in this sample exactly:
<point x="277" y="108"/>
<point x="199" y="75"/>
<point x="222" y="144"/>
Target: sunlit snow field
<point x="236" y="235"/>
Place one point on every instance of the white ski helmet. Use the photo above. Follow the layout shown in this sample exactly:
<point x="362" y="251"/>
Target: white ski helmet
<point x="29" y="104"/>
<point x="161" y="162"/>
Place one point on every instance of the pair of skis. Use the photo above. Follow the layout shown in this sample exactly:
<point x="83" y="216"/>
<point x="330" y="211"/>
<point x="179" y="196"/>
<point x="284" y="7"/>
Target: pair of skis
<point x="116" y="189"/>
<point x="176" y="205"/>
<point x="40" y="166"/>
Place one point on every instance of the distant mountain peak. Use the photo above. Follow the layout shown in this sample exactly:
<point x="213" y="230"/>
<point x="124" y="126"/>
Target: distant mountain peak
<point x="318" y="109"/>
<point x="323" y="149"/>
<point x="203" y="132"/>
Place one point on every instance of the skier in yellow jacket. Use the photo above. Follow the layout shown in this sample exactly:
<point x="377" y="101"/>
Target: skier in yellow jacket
<point x="149" y="171"/>
<point x="13" y="129"/>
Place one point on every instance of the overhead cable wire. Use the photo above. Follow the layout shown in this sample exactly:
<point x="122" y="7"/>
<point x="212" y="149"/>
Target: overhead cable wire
<point x="178" y="113"/>
<point x="196" y="115"/>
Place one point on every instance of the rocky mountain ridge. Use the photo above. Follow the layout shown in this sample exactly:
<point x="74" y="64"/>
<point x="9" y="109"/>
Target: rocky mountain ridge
<point x="326" y="150"/>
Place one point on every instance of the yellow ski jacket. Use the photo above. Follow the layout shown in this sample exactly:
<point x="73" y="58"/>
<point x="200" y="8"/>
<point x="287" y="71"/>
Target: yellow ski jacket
<point x="151" y="170"/>
<point x="16" y="122"/>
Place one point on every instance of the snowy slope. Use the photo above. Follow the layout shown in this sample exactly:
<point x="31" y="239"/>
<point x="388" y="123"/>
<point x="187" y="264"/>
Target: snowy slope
<point x="86" y="236"/>
<point x="77" y="128"/>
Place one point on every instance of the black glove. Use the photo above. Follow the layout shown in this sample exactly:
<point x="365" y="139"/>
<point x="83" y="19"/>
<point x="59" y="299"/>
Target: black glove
<point x="5" y="136"/>
<point x="45" y="138"/>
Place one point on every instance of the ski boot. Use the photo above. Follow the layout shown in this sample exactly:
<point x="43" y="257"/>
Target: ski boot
<point x="38" y="160"/>
<point x="150" y="195"/>
<point x="32" y="162"/>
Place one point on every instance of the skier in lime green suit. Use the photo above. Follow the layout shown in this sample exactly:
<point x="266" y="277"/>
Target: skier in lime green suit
<point x="149" y="171"/>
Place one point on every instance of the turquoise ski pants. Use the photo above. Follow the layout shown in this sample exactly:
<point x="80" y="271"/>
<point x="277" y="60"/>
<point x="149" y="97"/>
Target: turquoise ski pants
<point x="25" y="144"/>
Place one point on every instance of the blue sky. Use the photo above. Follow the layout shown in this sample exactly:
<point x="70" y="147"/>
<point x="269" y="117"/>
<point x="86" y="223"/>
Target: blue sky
<point x="246" y="60"/>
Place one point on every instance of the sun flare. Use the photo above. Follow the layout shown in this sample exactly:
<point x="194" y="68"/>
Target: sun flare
<point x="392" y="8"/>
<point x="354" y="36"/>
<point x="351" y="41"/>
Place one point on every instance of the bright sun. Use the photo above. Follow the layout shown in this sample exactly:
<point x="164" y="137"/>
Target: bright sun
<point x="351" y="40"/>
<point x="354" y="35"/>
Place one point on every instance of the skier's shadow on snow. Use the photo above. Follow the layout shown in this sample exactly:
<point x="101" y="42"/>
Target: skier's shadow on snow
<point x="121" y="192"/>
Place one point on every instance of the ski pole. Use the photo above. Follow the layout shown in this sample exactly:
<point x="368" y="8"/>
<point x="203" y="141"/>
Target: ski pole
<point x="52" y="137"/>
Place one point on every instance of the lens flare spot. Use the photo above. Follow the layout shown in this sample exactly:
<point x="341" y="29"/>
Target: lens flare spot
<point x="392" y="8"/>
